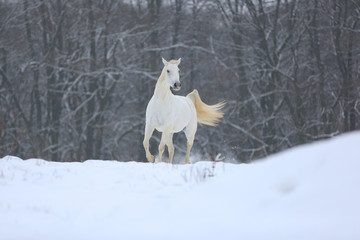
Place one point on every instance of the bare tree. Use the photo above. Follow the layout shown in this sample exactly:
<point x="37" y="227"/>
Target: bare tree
<point x="75" y="76"/>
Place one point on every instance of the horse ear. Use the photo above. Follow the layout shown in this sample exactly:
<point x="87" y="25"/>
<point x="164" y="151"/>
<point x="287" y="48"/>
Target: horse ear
<point x="178" y="61"/>
<point x="164" y="61"/>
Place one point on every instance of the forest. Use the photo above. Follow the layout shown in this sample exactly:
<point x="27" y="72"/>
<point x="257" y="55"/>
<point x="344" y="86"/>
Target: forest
<point x="76" y="76"/>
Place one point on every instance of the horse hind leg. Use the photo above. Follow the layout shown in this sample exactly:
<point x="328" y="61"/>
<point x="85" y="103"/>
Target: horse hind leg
<point x="190" y="135"/>
<point x="190" y="142"/>
<point x="148" y="133"/>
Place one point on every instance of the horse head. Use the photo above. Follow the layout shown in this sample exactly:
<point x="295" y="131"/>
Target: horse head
<point x="172" y="73"/>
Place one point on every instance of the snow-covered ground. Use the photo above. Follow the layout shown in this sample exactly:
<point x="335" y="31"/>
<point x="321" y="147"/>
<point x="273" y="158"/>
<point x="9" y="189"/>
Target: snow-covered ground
<point x="309" y="192"/>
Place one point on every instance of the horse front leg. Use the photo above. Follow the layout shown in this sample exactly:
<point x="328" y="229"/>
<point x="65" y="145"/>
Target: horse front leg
<point x="164" y="138"/>
<point x="170" y="146"/>
<point x="148" y="133"/>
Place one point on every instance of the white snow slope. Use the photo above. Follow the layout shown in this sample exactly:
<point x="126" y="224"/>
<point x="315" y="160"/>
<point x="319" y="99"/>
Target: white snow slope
<point x="309" y="192"/>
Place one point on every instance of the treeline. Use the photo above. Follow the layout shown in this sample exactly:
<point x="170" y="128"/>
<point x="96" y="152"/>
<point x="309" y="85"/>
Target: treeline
<point x="75" y="76"/>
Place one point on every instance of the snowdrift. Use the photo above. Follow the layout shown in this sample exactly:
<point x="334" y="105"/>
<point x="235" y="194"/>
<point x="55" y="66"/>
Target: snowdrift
<point x="309" y="192"/>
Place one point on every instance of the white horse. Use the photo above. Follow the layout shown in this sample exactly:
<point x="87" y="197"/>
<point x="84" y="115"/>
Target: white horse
<point x="169" y="113"/>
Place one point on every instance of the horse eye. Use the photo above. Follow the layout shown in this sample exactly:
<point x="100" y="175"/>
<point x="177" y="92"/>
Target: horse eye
<point x="168" y="71"/>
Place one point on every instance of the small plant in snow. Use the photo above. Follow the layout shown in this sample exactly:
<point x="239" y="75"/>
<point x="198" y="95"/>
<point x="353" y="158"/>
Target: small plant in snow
<point x="202" y="173"/>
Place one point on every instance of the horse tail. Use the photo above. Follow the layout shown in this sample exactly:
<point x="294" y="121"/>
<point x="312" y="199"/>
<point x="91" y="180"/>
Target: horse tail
<point x="206" y="114"/>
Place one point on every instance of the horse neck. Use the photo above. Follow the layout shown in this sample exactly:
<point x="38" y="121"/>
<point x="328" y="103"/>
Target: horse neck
<point x="162" y="89"/>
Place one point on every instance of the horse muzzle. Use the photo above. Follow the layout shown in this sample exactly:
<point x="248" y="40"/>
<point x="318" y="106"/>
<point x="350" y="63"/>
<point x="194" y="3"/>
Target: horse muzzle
<point x="177" y="86"/>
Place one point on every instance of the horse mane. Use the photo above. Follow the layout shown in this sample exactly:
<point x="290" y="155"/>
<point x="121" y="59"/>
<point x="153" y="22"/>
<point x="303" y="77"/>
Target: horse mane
<point x="173" y="61"/>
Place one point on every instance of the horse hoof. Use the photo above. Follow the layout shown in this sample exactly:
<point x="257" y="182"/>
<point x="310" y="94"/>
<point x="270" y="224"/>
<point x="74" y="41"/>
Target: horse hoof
<point x="151" y="158"/>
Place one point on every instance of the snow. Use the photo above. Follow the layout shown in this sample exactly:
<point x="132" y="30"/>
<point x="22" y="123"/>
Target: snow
<point x="309" y="192"/>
